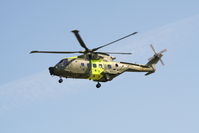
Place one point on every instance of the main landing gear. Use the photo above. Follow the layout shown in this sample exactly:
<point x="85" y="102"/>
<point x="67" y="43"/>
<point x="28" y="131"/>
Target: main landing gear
<point x="98" y="85"/>
<point x="60" y="80"/>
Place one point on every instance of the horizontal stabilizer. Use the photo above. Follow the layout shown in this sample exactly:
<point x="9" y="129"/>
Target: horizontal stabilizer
<point x="148" y="73"/>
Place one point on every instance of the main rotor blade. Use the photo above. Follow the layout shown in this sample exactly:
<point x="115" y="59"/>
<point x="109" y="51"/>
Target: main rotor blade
<point x="165" y="50"/>
<point x="153" y="48"/>
<point x="115" y="53"/>
<point x="76" y="32"/>
<point x="57" y="52"/>
<point x="95" y="49"/>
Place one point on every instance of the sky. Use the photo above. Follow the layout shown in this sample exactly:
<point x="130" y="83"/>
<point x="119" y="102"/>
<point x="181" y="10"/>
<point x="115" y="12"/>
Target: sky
<point x="32" y="101"/>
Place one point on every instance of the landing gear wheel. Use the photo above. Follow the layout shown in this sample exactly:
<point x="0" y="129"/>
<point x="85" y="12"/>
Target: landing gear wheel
<point x="60" y="80"/>
<point x="98" y="85"/>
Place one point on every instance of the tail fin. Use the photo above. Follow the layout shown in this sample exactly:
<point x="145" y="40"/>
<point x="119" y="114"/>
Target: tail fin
<point x="155" y="59"/>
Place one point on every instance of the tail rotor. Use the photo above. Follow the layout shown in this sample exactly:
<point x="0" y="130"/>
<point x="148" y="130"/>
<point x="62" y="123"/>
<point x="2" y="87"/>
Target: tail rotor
<point x="157" y="55"/>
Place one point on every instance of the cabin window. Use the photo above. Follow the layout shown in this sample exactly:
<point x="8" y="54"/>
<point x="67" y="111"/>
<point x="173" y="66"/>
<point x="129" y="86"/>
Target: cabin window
<point x="109" y="67"/>
<point x="116" y="65"/>
<point x="88" y="65"/>
<point x="100" y="65"/>
<point x="94" y="65"/>
<point x="82" y="64"/>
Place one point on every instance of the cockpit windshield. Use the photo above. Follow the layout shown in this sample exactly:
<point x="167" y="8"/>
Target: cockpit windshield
<point x="63" y="63"/>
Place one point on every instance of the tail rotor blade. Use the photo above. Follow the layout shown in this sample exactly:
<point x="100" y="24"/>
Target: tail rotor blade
<point x="165" y="50"/>
<point x="162" y="62"/>
<point x="153" y="48"/>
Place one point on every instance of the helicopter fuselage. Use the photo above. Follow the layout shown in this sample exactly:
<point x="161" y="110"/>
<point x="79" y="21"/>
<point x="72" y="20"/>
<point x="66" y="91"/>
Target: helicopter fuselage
<point x="99" y="70"/>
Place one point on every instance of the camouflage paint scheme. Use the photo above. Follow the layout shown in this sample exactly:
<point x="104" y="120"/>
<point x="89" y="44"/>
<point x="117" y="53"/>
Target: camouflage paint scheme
<point x="98" y="66"/>
<point x="101" y="69"/>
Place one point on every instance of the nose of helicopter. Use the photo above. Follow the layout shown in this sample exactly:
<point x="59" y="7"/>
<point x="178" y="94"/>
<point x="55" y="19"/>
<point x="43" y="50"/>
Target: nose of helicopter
<point x="51" y="70"/>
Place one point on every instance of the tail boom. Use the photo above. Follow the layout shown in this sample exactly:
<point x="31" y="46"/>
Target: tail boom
<point x="139" y="68"/>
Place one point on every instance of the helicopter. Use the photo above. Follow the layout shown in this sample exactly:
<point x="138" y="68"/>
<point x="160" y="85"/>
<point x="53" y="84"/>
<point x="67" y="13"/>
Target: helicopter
<point x="98" y="66"/>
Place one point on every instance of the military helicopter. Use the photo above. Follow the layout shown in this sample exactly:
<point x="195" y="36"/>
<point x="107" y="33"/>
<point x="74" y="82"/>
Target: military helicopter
<point x="98" y="66"/>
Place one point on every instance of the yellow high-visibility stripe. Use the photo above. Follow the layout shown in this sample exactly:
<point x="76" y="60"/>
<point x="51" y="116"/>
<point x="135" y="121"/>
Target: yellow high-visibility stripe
<point x="96" y="72"/>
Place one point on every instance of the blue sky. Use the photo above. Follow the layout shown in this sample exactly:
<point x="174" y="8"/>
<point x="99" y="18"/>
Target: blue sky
<point x="29" y="25"/>
<point x="32" y="101"/>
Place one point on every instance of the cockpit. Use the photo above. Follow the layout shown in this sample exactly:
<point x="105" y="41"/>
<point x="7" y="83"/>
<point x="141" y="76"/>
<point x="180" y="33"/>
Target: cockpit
<point x="62" y="64"/>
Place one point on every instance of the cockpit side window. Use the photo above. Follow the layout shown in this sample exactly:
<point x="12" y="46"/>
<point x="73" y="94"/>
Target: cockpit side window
<point x="63" y="63"/>
<point x="59" y="61"/>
